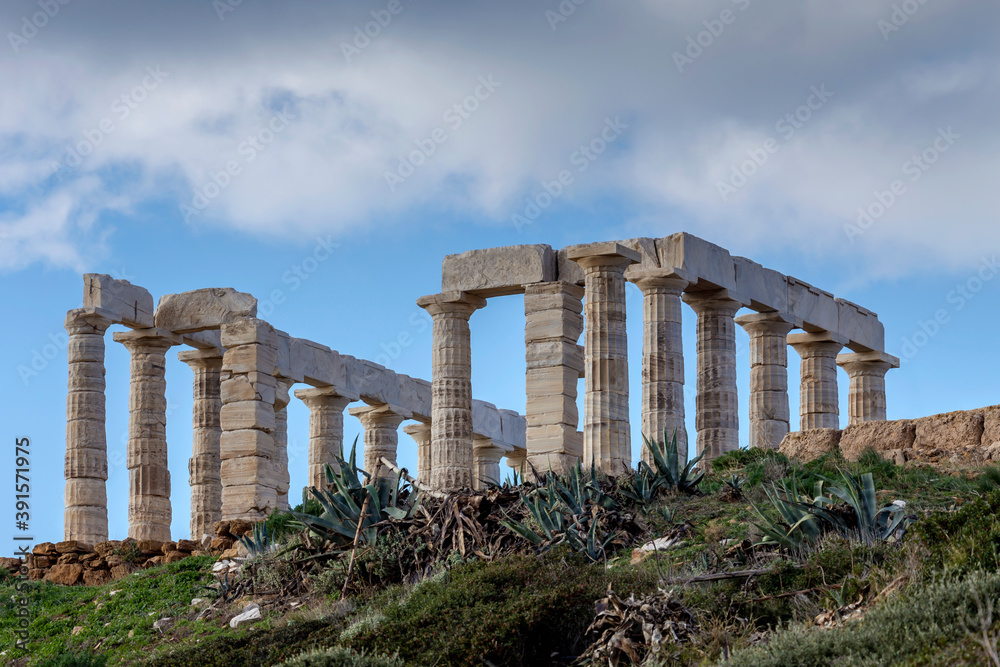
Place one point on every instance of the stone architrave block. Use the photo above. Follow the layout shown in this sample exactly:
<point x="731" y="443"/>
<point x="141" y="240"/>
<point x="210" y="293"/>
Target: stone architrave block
<point x="954" y="430"/>
<point x="415" y="396"/>
<point x="283" y="363"/>
<point x="131" y="304"/>
<point x="711" y="264"/>
<point x="808" y="445"/>
<point x="204" y="340"/>
<point x="514" y="427"/>
<point x="498" y="271"/>
<point x="813" y="309"/>
<point x="203" y="309"/>
<point x="649" y="255"/>
<point x="766" y="289"/>
<point x="861" y="326"/>
<point x="486" y="421"/>
<point x="882" y="436"/>
<point x="316" y="364"/>
<point x="373" y="382"/>
<point x="568" y="271"/>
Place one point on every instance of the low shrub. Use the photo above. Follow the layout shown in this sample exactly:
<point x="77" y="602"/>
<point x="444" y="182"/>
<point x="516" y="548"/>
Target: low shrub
<point x="341" y="657"/>
<point x="961" y="541"/>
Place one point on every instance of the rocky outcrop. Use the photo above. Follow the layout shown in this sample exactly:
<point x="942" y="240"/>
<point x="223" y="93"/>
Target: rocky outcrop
<point x="808" y="445"/>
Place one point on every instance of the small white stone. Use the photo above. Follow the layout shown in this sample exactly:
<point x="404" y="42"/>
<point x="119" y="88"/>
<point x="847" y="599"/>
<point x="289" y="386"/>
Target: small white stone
<point x="252" y="615"/>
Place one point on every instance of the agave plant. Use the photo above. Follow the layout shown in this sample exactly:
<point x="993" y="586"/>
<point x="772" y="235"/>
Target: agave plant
<point x="259" y="540"/>
<point x="575" y="492"/>
<point x="803" y="519"/>
<point x="667" y="464"/>
<point x="343" y="498"/>
<point x="873" y="525"/>
<point x="644" y="486"/>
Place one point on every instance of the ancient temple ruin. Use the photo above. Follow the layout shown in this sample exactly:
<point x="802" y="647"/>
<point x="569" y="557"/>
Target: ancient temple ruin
<point x="245" y="371"/>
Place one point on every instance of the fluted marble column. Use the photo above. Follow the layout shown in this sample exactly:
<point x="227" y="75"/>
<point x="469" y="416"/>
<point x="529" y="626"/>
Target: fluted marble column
<point x="381" y="424"/>
<point x="867" y="398"/>
<point x="326" y="429"/>
<point x="662" y="357"/>
<point x="86" y="469"/>
<point x="717" y="406"/>
<point x="607" y="441"/>
<point x="819" y="399"/>
<point x="486" y="457"/>
<point x="770" y="415"/>
<point x="421" y="434"/>
<point x="281" y="400"/>
<point x="149" y="511"/>
<point x="204" y="467"/>
<point x="451" y="388"/>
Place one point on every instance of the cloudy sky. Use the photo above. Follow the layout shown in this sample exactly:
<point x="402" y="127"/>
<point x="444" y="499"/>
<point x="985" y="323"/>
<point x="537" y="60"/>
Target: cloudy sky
<point x="190" y="144"/>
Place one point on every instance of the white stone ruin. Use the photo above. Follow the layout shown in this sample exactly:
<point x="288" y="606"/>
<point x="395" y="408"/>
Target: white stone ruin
<point x="245" y="371"/>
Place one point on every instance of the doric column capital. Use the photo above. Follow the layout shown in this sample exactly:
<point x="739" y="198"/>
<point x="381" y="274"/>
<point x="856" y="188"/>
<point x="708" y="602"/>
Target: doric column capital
<point x="595" y="256"/>
<point x="451" y="304"/>
<point x="89" y="321"/>
<point x="210" y="360"/>
<point x="381" y="415"/>
<point x="820" y="344"/>
<point x="761" y="323"/>
<point x="148" y="340"/>
<point x="867" y="363"/>
<point x="419" y="431"/>
<point x="658" y="281"/>
<point x="323" y="397"/>
<point x="722" y="301"/>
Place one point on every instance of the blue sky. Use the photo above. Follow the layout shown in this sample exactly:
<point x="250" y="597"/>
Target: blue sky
<point x="298" y="142"/>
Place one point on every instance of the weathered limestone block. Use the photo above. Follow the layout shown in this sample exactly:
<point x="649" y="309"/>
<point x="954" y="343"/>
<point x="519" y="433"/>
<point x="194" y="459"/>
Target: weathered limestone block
<point x="860" y="326"/>
<point x="125" y="302"/>
<point x="707" y="264"/>
<point x="606" y="430"/>
<point x="882" y="436"/>
<point x="421" y="434"/>
<point x="203" y="309"/>
<point x="146" y="457"/>
<point x="486" y="420"/>
<point x="204" y="467"/>
<point x="326" y="429"/>
<point x="415" y="396"/>
<point x="514" y="428"/>
<point x="86" y="516"/>
<point x="808" y="445"/>
<point x="769" y="411"/>
<point x="451" y="390"/>
<point x="954" y="430"/>
<point x="662" y="357"/>
<point x="814" y="310"/>
<point x="867" y="400"/>
<point x="64" y="575"/>
<point x="766" y="289"/>
<point x="247" y="449"/>
<point x="819" y="406"/>
<point x="281" y="400"/>
<point x="717" y="405"/>
<point x="317" y="364"/>
<point x="498" y="271"/>
<point x="381" y="424"/>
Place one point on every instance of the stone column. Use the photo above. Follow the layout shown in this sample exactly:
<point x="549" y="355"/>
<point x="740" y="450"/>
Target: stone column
<point x="281" y="400"/>
<point x="867" y="371"/>
<point x="819" y="399"/>
<point x="607" y="441"/>
<point x="770" y="416"/>
<point x="249" y="483"/>
<point x="86" y="470"/>
<point x="149" y="512"/>
<point x="326" y="429"/>
<point x="204" y="467"/>
<point x="717" y="419"/>
<point x="421" y="434"/>
<point x="518" y="460"/>
<point x="486" y="462"/>
<point x="381" y="424"/>
<point x="553" y="323"/>
<point x="451" y="388"/>
<point x="662" y="357"/>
